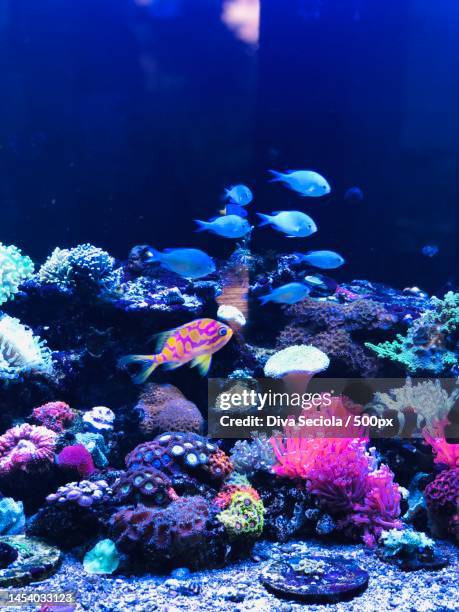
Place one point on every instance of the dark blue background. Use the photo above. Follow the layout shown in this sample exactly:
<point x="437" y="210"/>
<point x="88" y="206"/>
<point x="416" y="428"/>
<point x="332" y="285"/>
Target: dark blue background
<point x="119" y="124"/>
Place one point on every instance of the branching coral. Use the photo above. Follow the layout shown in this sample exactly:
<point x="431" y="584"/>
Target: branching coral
<point x="430" y="344"/>
<point x="84" y="266"/>
<point x="54" y="415"/>
<point x="15" y="268"/>
<point x="26" y="448"/>
<point x="427" y="399"/>
<point x="344" y="478"/>
<point x="21" y="351"/>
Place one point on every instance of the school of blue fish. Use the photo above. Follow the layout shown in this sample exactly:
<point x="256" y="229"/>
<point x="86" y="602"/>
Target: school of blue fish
<point x="232" y="223"/>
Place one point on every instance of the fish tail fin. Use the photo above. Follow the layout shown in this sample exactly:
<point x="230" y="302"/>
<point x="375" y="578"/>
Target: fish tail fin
<point x="276" y="176"/>
<point x="264" y="299"/>
<point x="202" y="225"/>
<point x="153" y="255"/>
<point x="148" y="363"/>
<point x="265" y="219"/>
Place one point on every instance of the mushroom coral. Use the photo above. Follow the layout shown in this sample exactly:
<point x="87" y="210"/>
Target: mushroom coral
<point x="296" y="365"/>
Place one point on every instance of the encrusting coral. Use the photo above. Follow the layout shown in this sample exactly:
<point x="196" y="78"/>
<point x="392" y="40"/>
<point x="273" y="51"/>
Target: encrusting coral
<point x="165" y="408"/>
<point x="329" y="327"/>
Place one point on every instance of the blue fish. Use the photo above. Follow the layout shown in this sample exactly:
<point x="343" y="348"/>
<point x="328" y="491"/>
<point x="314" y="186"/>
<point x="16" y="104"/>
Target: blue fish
<point x="239" y="194"/>
<point x="228" y="226"/>
<point x="353" y="194"/>
<point x="189" y="263"/>
<point x="294" y="223"/>
<point x="430" y="250"/>
<point x="234" y="209"/>
<point x="291" y="293"/>
<point x="305" y="182"/>
<point x="326" y="260"/>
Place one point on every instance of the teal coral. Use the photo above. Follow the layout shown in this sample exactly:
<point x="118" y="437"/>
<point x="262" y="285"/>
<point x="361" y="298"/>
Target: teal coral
<point x="405" y="542"/>
<point x="102" y="559"/>
<point x="12" y="518"/>
<point x="431" y="341"/>
<point x="15" y="268"/>
<point x="94" y="444"/>
<point x="21" y="351"/>
<point x="82" y="266"/>
<point x="244" y="516"/>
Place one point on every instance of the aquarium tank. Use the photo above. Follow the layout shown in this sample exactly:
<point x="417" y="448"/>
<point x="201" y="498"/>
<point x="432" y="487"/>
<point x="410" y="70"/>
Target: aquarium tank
<point x="229" y="305"/>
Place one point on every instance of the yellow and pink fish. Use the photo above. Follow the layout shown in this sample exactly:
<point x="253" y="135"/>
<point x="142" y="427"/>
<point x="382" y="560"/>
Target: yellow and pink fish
<point x="193" y="342"/>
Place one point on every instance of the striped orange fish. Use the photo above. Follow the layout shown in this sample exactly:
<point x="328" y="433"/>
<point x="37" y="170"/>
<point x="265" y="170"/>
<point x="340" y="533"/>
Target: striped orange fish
<point x="196" y="342"/>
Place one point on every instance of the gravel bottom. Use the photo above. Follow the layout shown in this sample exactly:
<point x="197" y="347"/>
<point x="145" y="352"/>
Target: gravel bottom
<point x="237" y="588"/>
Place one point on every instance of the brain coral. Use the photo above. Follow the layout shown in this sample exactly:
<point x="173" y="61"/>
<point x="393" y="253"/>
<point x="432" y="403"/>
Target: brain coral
<point x="21" y="351"/>
<point x="15" y="268"/>
<point x="26" y="448"/>
<point x="165" y="408"/>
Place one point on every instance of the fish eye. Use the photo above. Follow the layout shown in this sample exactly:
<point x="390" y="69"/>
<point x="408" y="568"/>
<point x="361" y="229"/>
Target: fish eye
<point x="222" y="331"/>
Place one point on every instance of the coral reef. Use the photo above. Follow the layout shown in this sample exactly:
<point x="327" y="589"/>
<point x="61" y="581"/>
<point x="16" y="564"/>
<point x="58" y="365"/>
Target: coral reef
<point x="345" y="480"/>
<point x="164" y="408"/>
<point x="54" y="415"/>
<point x="15" y="268"/>
<point x="26" y="448"/>
<point x="35" y="561"/>
<point x="430" y="343"/>
<point x="181" y="534"/>
<point x="20" y="351"/>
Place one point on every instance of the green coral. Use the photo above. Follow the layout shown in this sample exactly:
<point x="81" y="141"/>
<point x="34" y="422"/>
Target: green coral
<point x="84" y="266"/>
<point x="102" y="559"/>
<point x="15" y="268"/>
<point x="430" y="343"/>
<point x="244" y="516"/>
<point x="12" y="518"/>
<point x="406" y="542"/>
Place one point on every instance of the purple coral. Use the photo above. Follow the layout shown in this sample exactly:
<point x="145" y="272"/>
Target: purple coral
<point x="84" y="493"/>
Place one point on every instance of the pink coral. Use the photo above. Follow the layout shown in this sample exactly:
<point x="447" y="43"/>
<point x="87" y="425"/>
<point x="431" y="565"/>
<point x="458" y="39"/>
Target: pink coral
<point x="442" y="499"/>
<point x="444" y="451"/>
<point x="26" y="447"/>
<point x="343" y="476"/>
<point x="76" y="458"/>
<point x="54" y="415"/>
